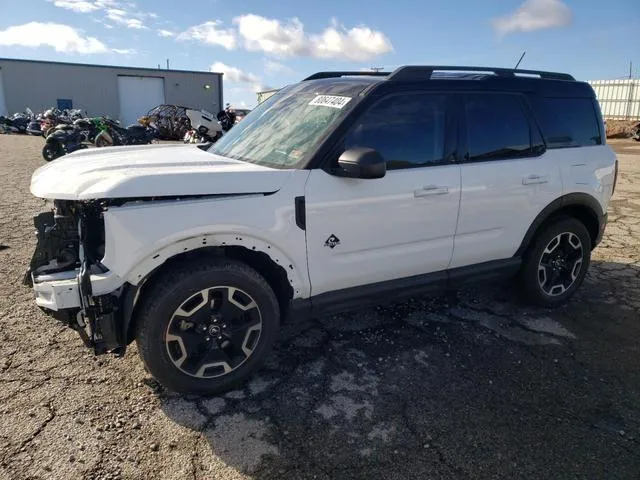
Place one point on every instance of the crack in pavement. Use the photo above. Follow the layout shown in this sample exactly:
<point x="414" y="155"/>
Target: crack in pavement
<point x="39" y="430"/>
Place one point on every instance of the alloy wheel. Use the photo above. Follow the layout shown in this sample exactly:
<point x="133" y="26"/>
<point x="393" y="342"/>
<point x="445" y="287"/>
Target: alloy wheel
<point x="213" y="332"/>
<point x="560" y="264"/>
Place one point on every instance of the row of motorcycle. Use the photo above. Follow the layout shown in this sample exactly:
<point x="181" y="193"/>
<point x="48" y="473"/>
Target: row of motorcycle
<point x="98" y="131"/>
<point x="66" y="131"/>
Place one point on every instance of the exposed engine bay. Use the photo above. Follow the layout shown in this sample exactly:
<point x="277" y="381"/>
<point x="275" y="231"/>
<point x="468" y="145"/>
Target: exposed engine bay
<point x="70" y="247"/>
<point x="71" y="239"/>
<point x="59" y="236"/>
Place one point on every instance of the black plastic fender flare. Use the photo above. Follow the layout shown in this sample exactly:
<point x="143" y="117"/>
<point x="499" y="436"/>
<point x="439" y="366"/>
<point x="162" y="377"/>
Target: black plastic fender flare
<point x="577" y="199"/>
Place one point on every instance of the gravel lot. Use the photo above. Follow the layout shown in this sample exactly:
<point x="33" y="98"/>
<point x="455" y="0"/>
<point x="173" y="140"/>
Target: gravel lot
<point x="471" y="385"/>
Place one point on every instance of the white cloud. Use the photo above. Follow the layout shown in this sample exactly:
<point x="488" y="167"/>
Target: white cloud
<point x="534" y="15"/>
<point x="289" y="39"/>
<point x="210" y="33"/>
<point x="124" y="51"/>
<point x="286" y="39"/>
<point x="122" y="13"/>
<point x="235" y="75"/>
<point x="272" y="67"/>
<point x="135" y="23"/>
<point x="79" y="6"/>
<point x="166" y="33"/>
<point x="115" y="13"/>
<point x="358" y="43"/>
<point x="272" y="36"/>
<point x="62" y="38"/>
<point x="121" y="17"/>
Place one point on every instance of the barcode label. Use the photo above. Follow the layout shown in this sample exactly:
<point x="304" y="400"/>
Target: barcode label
<point x="333" y="101"/>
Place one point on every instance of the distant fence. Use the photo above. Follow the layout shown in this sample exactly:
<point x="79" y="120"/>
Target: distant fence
<point x="619" y="99"/>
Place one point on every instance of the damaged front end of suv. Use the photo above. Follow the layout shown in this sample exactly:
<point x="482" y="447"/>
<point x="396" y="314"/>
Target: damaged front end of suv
<point x="120" y="215"/>
<point x="66" y="261"/>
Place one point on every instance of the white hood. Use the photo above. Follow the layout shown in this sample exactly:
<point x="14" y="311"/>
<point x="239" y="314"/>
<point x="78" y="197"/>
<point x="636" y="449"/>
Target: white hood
<point x="150" y="171"/>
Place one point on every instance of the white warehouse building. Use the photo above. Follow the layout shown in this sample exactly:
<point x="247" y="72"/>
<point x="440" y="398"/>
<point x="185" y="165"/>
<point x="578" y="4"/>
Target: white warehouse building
<point x="122" y="93"/>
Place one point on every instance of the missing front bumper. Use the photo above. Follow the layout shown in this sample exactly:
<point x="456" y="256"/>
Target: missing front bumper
<point x="101" y="322"/>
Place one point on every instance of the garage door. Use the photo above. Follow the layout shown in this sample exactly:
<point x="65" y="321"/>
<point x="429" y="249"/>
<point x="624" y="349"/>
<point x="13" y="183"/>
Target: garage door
<point x="3" y="106"/>
<point x="138" y="95"/>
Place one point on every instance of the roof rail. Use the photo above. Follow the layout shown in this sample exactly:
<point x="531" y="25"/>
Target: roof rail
<point x="319" y="75"/>
<point x="418" y="72"/>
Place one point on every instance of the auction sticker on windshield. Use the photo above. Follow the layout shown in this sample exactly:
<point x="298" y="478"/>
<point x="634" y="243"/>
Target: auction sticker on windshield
<point x="333" y="101"/>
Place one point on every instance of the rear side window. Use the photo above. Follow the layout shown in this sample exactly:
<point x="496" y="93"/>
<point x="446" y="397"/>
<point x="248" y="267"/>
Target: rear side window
<point x="568" y="122"/>
<point x="497" y="128"/>
<point x="406" y="129"/>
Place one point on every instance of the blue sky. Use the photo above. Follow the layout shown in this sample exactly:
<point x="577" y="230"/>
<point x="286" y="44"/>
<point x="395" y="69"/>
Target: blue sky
<point x="270" y="44"/>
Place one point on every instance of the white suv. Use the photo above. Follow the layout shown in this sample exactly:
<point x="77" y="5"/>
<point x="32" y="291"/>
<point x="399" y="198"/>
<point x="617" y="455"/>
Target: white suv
<point x="340" y="190"/>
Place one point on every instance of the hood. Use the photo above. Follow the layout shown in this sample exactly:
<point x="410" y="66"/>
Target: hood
<point x="150" y="171"/>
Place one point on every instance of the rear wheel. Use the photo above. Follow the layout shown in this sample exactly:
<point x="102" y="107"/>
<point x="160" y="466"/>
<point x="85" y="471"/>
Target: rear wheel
<point x="557" y="263"/>
<point x="205" y="328"/>
<point x="52" y="150"/>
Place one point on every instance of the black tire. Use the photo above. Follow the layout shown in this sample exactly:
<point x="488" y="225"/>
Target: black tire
<point x="195" y="373"/>
<point x="538" y="285"/>
<point x="51" y="151"/>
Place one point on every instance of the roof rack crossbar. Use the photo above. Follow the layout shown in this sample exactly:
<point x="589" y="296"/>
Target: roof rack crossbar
<point x="419" y="72"/>
<point x="320" y="75"/>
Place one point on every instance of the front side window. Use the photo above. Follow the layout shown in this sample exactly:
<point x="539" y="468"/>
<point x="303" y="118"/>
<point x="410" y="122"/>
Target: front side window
<point x="406" y="129"/>
<point x="497" y="127"/>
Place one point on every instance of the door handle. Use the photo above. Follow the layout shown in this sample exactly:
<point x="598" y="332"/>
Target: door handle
<point x="430" y="190"/>
<point x="535" y="179"/>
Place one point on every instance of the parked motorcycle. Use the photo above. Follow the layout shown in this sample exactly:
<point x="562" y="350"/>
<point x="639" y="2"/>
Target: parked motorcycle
<point x="204" y="128"/>
<point x="50" y="119"/>
<point x="227" y="117"/>
<point x="63" y="140"/>
<point x="34" y="126"/>
<point x="114" y="134"/>
<point x="91" y="128"/>
<point x="54" y="117"/>
<point x="17" y="123"/>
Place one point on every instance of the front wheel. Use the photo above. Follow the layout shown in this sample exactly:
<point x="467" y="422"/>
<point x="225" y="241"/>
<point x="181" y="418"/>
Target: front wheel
<point x="557" y="263"/>
<point x="205" y="327"/>
<point x="52" y="150"/>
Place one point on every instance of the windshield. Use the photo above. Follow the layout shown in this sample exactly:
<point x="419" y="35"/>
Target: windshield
<point x="284" y="130"/>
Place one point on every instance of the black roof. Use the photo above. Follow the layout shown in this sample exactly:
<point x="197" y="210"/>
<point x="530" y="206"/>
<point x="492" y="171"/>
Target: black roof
<point x="412" y="73"/>
<point x="456" y="78"/>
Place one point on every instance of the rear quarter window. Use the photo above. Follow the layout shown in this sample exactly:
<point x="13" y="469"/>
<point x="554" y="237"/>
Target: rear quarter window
<point x="568" y="122"/>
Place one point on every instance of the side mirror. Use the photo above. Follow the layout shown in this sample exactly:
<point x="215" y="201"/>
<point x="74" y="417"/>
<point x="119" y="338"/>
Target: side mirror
<point x="362" y="163"/>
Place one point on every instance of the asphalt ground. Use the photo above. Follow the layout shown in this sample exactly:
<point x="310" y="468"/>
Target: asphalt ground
<point x="470" y="385"/>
